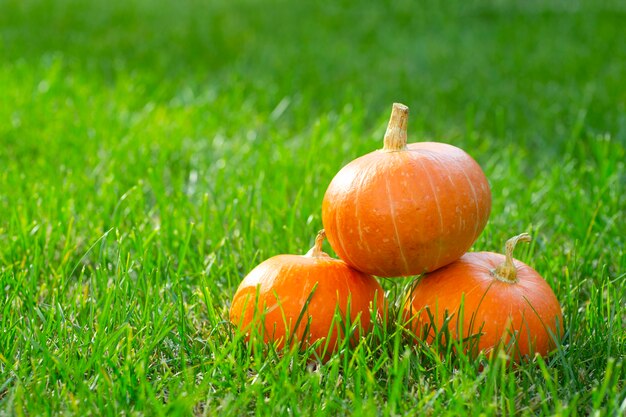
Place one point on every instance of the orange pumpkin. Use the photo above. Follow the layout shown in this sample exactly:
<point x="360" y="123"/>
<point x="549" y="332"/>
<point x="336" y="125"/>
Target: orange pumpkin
<point x="497" y="300"/>
<point x="295" y="298"/>
<point x="406" y="209"/>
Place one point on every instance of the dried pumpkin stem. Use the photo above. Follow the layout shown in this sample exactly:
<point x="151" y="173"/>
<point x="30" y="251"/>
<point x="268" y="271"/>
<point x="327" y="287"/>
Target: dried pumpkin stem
<point x="395" y="136"/>
<point x="316" y="250"/>
<point x="507" y="271"/>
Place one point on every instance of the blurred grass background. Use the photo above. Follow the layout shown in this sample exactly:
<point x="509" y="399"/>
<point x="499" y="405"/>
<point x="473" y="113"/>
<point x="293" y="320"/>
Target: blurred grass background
<point x="151" y="153"/>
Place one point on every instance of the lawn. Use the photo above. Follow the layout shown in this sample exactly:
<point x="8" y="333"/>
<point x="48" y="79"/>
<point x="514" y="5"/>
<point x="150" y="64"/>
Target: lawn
<point x="152" y="153"/>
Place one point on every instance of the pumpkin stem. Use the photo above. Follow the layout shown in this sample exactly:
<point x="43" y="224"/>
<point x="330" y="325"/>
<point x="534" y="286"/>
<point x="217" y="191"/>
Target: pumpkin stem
<point x="395" y="136"/>
<point x="507" y="271"/>
<point x="316" y="250"/>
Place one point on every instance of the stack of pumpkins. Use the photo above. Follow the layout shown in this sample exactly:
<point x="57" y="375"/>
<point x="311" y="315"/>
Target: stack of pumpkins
<point x="407" y="209"/>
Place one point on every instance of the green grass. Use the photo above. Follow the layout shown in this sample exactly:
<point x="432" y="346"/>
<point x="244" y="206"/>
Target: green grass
<point x="152" y="153"/>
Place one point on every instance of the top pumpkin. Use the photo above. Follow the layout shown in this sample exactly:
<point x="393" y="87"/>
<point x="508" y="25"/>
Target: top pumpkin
<point x="406" y="209"/>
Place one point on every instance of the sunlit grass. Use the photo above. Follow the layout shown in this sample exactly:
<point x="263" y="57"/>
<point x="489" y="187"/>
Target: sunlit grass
<point x="152" y="153"/>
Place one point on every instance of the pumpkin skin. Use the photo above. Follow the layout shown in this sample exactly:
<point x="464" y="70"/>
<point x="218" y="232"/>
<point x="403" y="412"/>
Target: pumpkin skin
<point x="476" y="288"/>
<point x="406" y="210"/>
<point x="283" y="284"/>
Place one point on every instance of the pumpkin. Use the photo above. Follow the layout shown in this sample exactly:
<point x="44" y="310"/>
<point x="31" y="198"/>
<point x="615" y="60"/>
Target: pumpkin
<point x="294" y="299"/>
<point x="406" y="209"/>
<point x="490" y="300"/>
